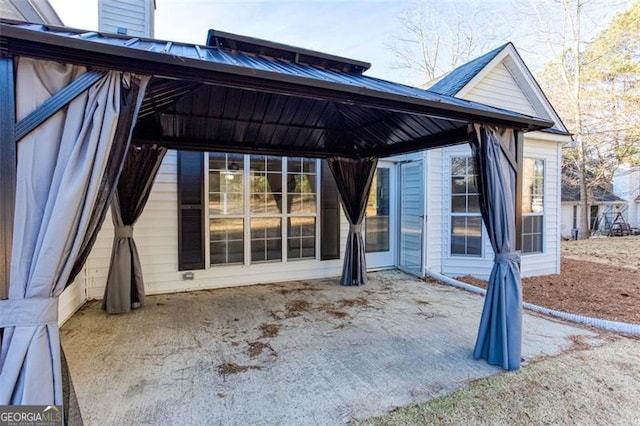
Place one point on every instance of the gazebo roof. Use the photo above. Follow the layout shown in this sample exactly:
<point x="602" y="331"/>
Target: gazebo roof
<point x="247" y="95"/>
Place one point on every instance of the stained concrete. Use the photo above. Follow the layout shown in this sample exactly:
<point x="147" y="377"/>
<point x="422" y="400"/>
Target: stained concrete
<point x="314" y="352"/>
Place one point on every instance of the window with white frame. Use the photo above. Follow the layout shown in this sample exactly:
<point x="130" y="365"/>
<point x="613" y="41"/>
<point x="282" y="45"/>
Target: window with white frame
<point x="258" y="202"/>
<point x="466" y="220"/>
<point x="301" y="208"/>
<point x="532" y="205"/>
<point x="226" y="208"/>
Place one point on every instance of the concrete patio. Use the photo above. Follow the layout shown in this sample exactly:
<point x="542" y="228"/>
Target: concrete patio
<point x="306" y="352"/>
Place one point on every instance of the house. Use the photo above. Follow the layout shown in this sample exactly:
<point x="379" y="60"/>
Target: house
<point x="455" y="242"/>
<point x="268" y="136"/>
<point x="268" y="217"/>
<point x="626" y="183"/>
<point x="603" y="205"/>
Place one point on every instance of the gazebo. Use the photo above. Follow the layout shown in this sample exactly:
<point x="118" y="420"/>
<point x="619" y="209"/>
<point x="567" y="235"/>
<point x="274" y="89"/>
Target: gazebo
<point x="85" y="120"/>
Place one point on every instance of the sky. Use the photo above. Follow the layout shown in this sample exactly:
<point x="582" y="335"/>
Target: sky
<point x="358" y="29"/>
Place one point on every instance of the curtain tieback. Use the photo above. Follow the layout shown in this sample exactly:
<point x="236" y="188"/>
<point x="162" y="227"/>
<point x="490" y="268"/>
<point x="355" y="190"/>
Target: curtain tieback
<point x="355" y="228"/>
<point x="511" y="256"/>
<point x="31" y="311"/>
<point x="124" y="231"/>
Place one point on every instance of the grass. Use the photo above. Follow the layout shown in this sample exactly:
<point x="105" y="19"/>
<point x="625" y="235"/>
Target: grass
<point x="598" y="385"/>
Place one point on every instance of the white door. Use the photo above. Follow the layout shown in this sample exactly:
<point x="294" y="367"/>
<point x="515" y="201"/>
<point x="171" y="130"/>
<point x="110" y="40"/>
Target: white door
<point x="411" y="217"/>
<point x="380" y="220"/>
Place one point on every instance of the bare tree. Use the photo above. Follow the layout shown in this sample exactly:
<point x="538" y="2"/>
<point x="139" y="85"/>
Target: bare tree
<point x="439" y="36"/>
<point x="595" y="90"/>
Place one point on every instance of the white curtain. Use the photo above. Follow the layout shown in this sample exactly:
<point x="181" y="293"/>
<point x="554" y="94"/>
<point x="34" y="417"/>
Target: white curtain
<point x="60" y="167"/>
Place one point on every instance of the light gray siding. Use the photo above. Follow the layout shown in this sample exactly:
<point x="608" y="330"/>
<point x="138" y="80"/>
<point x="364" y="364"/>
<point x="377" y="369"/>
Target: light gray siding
<point x="499" y="88"/>
<point x="439" y="256"/>
<point x="133" y="16"/>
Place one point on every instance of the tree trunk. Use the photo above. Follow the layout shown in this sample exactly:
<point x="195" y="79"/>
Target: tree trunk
<point x="582" y="154"/>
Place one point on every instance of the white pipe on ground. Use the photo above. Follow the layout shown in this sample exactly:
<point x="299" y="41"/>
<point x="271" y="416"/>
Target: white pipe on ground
<point x="620" y="327"/>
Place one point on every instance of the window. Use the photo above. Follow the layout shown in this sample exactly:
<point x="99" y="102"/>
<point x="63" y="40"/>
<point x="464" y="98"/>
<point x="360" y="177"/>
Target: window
<point x="466" y="221"/>
<point x="226" y="208"/>
<point x="301" y="208"/>
<point x="249" y="205"/>
<point x="377" y="214"/>
<point x="532" y="205"/>
<point x="265" y="207"/>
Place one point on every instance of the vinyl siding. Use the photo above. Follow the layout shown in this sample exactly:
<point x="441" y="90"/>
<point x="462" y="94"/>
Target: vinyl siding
<point x="439" y="258"/>
<point x="498" y="88"/>
<point x="72" y="298"/>
<point x="134" y="15"/>
<point x="566" y="219"/>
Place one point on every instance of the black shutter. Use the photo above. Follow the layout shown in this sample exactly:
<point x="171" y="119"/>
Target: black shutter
<point x="190" y="210"/>
<point x="330" y="216"/>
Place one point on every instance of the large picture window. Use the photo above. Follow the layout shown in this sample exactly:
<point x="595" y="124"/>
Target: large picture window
<point x="532" y="205"/>
<point x="466" y="220"/>
<point x="258" y="202"/>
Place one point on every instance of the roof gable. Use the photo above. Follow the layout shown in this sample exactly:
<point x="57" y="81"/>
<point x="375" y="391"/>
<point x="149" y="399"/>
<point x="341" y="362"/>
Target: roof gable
<point x="515" y="88"/>
<point x="452" y="82"/>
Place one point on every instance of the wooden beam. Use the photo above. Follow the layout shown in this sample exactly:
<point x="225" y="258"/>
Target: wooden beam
<point x="519" y="139"/>
<point x="8" y="169"/>
<point x="56" y="103"/>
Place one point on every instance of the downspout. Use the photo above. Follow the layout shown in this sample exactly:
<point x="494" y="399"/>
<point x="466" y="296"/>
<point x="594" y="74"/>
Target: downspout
<point x="616" y="326"/>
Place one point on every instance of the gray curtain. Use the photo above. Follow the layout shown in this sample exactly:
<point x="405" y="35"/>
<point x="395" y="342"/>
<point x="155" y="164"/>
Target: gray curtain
<point x="353" y="179"/>
<point x="60" y="170"/>
<point x="125" y="286"/>
<point x="500" y="333"/>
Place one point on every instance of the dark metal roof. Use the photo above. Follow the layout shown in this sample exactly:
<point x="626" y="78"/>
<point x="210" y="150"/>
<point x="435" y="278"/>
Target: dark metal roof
<point x="452" y="82"/>
<point x="270" y="49"/>
<point x="220" y="98"/>
<point x="597" y="194"/>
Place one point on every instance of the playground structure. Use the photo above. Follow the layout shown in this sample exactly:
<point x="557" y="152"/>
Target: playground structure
<point x="613" y="224"/>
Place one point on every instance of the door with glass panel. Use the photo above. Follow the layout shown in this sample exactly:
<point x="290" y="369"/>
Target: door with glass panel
<point x="380" y="219"/>
<point x="411" y="217"/>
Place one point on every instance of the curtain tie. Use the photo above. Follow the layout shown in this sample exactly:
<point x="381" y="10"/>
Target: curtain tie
<point x="511" y="256"/>
<point x="355" y="228"/>
<point x="123" y="231"/>
<point x="31" y="311"/>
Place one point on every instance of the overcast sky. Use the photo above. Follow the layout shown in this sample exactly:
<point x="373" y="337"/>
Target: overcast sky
<point x="359" y="29"/>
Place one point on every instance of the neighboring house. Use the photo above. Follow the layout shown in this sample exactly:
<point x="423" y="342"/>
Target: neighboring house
<point x="602" y="207"/>
<point x="37" y="11"/>
<point x="626" y="183"/>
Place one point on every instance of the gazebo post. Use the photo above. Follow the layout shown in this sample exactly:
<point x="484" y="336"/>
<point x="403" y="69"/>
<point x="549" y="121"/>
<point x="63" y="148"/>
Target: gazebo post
<point x="8" y="168"/>
<point x="519" y="141"/>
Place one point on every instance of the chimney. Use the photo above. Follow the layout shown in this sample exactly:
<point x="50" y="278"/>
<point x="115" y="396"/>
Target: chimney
<point x="128" y="17"/>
